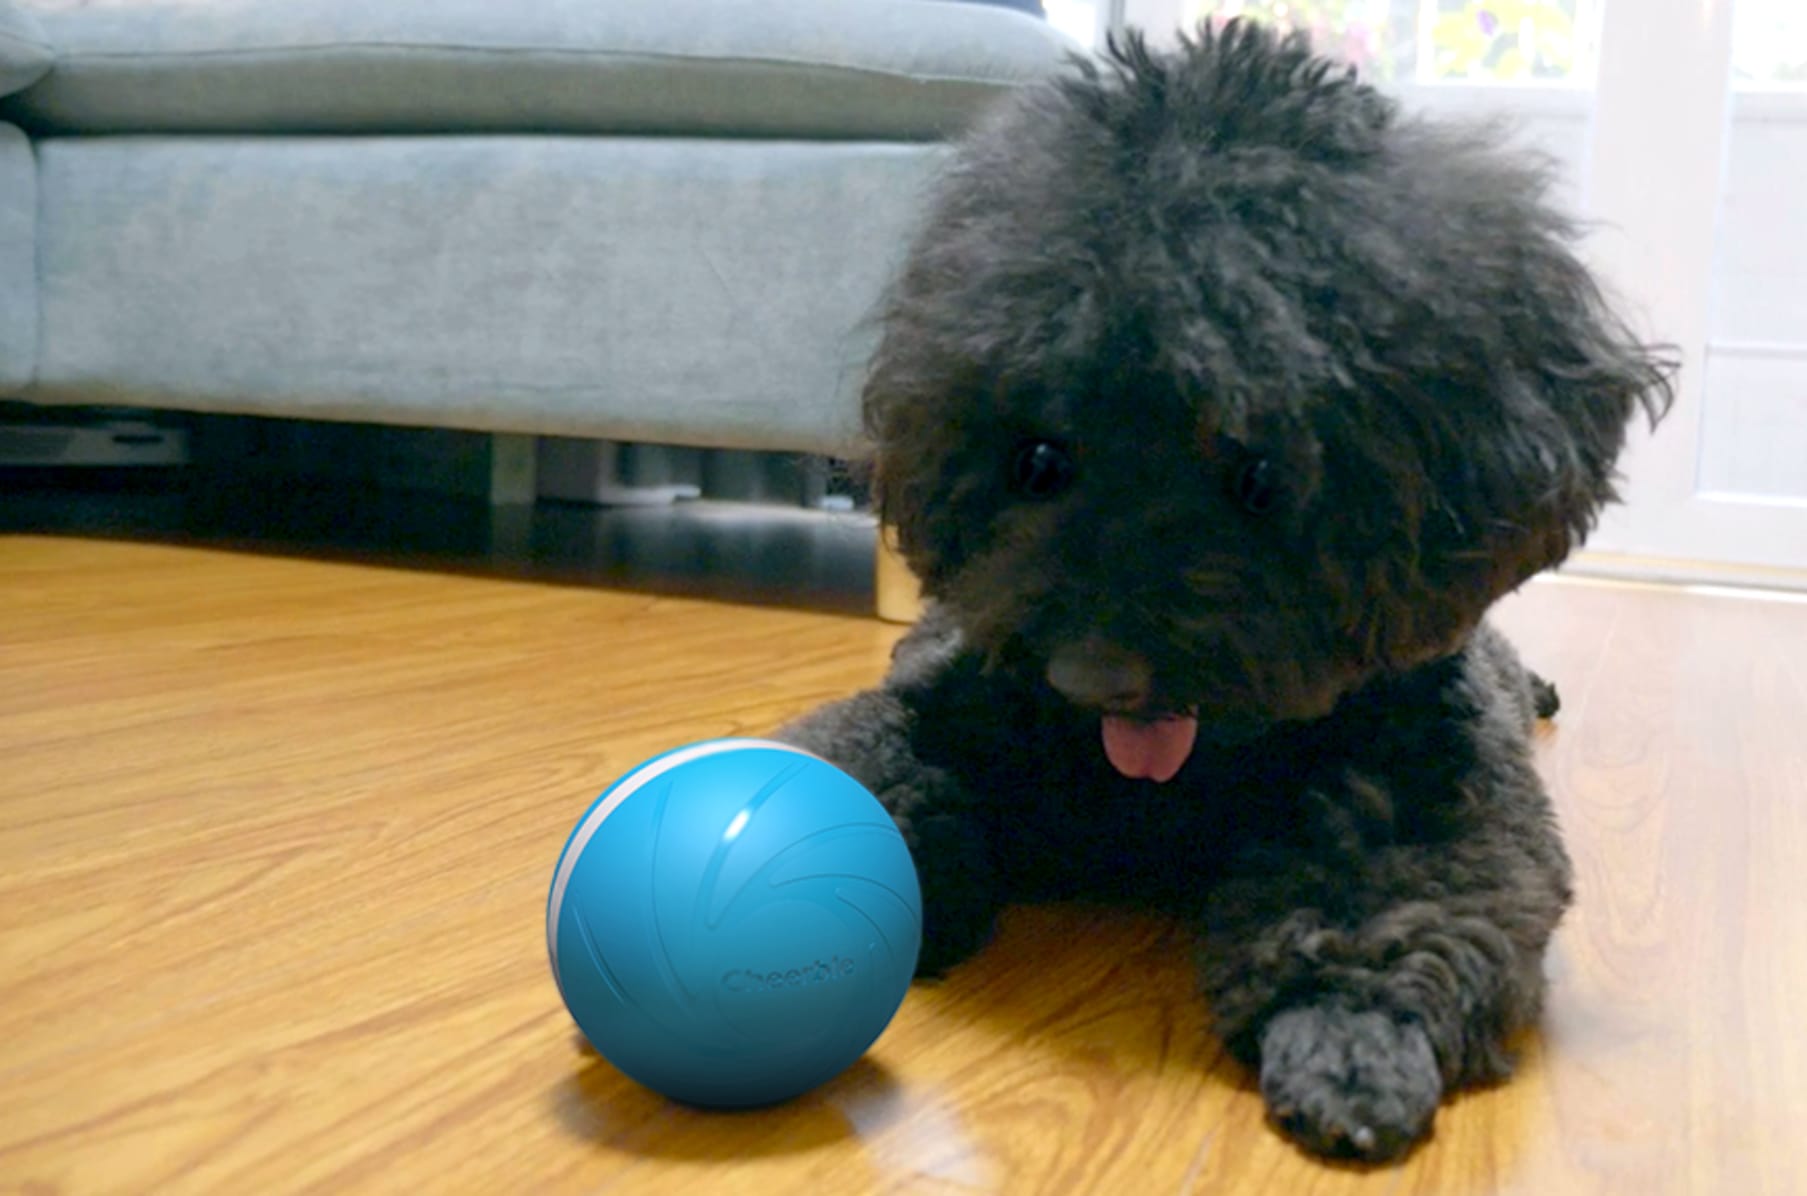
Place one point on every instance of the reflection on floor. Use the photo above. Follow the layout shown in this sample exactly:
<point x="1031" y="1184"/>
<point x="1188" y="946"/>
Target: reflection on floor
<point x="768" y="555"/>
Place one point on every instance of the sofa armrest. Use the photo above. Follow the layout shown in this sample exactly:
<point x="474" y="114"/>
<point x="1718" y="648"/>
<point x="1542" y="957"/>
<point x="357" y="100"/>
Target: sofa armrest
<point x="25" y="53"/>
<point x="857" y="70"/>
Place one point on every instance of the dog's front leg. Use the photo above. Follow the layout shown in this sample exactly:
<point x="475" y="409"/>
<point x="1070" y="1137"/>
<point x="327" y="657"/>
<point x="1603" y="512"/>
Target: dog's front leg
<point x="868" y="736"/>
<point x="1365" y="980"/>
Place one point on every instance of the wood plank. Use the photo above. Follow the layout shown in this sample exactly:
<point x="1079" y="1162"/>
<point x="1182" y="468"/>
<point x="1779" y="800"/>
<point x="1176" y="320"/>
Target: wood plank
<point x="275" y="837"/>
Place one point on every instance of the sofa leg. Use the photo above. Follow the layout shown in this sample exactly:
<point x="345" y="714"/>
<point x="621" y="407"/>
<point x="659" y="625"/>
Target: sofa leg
<point x="513" y="487"/>
<point x="513" y="475"/>
<point x="602" y="473"/>
<point x="899" y="593"/>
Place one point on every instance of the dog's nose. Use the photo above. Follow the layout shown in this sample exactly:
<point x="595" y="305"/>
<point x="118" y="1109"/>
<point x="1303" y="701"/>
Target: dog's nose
<point x="1096" y="672"/>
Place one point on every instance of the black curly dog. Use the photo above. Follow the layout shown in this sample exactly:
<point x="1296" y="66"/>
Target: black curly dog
<point x="1214" y="406"/>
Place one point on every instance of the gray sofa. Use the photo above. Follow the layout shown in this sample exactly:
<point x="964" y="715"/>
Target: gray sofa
<point x="653" y="220"/>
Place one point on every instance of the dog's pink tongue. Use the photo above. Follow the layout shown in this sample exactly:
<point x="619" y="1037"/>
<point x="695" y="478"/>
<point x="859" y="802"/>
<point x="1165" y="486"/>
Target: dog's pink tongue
<point x="1152" y="751"/>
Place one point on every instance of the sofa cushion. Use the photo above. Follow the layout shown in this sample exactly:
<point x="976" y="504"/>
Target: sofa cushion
<point x="24" y="53"/>
<point x="685" y="290"/>
<point x="804" y="68"/>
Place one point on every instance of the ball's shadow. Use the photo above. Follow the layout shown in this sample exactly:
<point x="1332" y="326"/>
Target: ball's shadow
<point x="598" y="1103"/>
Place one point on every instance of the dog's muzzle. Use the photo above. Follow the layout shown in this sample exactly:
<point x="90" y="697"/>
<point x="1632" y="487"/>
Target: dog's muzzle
<point x="1141" y="742"/>
<point x="1099" y="674"/>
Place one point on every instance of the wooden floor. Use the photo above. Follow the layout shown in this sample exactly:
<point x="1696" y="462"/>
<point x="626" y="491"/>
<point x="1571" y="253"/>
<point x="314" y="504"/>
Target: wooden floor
<point x="275" y="837"/>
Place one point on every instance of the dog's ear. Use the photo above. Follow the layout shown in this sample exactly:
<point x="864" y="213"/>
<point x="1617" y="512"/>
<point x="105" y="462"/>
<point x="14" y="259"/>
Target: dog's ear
<point x="913" y="469"/>
<point x="1565" y="397"/>
<point x="1561" y="380"/>
<point x="1515" y="390"/>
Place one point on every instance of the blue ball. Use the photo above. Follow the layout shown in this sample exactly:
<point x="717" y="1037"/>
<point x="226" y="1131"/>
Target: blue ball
<point x="734" y="922"/>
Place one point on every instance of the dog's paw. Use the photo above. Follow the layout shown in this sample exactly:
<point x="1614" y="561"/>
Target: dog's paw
<point x="1349" y="1084"/>
<point x="959" y="896"/>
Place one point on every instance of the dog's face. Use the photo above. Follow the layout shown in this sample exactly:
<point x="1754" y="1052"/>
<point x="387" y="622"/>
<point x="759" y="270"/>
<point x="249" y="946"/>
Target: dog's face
<point x="1214" y="388"/>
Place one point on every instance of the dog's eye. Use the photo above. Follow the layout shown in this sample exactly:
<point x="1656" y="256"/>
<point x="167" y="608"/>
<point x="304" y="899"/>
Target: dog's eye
<point x="1041" y="469"/>
<point x="1256" y="486"/>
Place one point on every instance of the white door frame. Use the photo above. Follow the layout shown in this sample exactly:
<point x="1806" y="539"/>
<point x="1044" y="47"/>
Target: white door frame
<point x="1662" y="112"/>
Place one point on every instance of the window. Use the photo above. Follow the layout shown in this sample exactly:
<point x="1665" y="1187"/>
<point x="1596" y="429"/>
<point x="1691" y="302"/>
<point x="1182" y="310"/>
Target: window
<point x="1439" y="41"/>
<point x="1769" y="45"/>
<point x="1078" y="19"/>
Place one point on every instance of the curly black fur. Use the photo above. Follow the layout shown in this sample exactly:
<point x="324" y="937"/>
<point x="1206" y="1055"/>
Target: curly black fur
<point x="1215" y="387"/>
